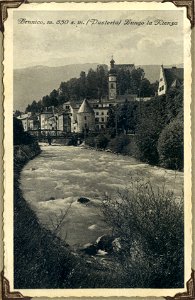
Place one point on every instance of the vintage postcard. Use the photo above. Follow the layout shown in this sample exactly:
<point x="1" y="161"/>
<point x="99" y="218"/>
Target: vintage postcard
<point x="97" y="150"/>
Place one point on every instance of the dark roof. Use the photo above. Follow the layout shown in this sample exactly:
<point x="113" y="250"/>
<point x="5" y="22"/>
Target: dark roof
<point x="172" y="75"/>
<point x="124" y="65"/>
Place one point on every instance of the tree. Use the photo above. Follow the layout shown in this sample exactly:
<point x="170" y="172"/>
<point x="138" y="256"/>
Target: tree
<point x="64" y="94"/>
<point x="54" y="98"/>
<point x="147" y="134"/>
<point x="17" y="113"/>
<point x="20" y="137"/>
<point x="111" y="121"/>
<point x="136" y="77"/>
<point x="171" y="145"/>
<point x="92" y="89"/>
<point x="102" y="82"/>
<point x="83" y="85"/>
<point x="127" y="116"/>
<point x="123" y="81"/>
<point x="46" y="101"/>
<point x="145" y="88"/>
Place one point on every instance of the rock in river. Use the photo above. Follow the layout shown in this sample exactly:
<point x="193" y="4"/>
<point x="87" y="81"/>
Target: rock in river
<point x="83" y="200"/>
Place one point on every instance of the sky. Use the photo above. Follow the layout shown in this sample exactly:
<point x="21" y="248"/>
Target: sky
<point x="73" y="43"/>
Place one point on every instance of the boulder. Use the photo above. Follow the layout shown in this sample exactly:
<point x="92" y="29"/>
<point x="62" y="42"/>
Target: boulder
<point x="90" y="249"/>
<point x="105" y="243"/>
<point x="83" y="200"/>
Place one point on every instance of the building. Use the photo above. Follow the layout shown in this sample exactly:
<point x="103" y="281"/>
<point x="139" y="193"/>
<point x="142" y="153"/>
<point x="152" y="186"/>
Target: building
<point x="43" y="118"/>
<point x="92" y="114"/>
<point x="125" y="67"/>
<point x="85" y="117"/>
<point x="169" y="78"/>
<point x="34" y="123"/>
<point x="64" y="122"/>
<point x="25" y="118"/>
<point x="112" y="81"/>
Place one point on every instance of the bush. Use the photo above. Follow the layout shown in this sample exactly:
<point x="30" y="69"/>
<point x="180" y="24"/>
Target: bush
<point x="119" y="143"/>
<point x="171" y="146"/>
<point x="102" y="141"/>
<point x="90" y="141"/>
<point x="150" y="224"/>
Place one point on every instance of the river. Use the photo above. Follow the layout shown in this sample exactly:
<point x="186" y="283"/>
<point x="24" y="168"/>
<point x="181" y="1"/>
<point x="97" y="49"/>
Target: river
<point x="53" y="182"/>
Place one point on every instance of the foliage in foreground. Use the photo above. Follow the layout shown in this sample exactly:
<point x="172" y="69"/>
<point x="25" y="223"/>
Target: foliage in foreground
<point x="150" y="225"/>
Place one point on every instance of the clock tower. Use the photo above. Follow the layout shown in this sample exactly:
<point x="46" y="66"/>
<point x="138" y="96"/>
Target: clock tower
<point x="112" y="81"/>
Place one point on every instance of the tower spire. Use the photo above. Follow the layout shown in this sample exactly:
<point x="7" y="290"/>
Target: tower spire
<point x="112" y="62"/>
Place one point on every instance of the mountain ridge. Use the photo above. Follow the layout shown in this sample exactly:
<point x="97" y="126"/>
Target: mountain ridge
<point x="32" y="83"/>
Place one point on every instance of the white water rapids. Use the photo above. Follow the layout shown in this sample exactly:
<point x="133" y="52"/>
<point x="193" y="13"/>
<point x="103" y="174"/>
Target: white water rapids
<point x="62" y="174"/>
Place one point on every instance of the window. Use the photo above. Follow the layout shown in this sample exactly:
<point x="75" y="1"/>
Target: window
<point x="102" y="119"/>
<point x="162" y="88"/>
<point x="102" y="126"/>
<point x="102" y="113"/>
<point x="161" y="79"/>
<point x="85" y="125"/>
<point x="107" y="113"/>
<point x="97" y="113"/>
<point x="96" y="120"/>
<point x="112" y="86"/>
<point x="85" y="118"/>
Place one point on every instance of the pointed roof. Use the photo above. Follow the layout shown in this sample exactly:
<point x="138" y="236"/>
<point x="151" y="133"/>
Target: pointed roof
<point x="85" y="107"/>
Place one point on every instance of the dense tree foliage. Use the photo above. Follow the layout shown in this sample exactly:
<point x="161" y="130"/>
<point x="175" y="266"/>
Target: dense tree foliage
<point x="123" y="118"/>
<point x="150" y="121"/>
<point x="19" y="136"/>
<point x="94" y="85"/>
<point x="153" y="124"/>
<point x="170" y="145"/>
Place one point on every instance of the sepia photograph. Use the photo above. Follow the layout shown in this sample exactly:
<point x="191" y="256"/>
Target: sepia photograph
<point x="98" y="188"/>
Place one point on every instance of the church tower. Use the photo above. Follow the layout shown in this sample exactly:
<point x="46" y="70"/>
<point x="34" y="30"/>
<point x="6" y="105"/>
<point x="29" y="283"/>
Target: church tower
<point x="112" y="81"/>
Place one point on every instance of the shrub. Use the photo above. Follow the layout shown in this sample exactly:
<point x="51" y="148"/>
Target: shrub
<point x="102" y="141"/>
<point x="119" y="143"/>
<point x="170" y="145"/>
<point x="131" y="148"/>
<point x="90" y="141"/>
<point x="149" y="223"/>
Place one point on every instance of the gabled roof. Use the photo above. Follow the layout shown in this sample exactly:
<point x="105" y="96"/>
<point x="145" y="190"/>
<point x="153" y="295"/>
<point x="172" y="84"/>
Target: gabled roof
<point x="85" y="107"/>
<point x="173" y="75"/>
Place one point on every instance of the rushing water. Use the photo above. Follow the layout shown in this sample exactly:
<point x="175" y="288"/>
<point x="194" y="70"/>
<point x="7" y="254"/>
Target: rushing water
<point x="54" y="180"/>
